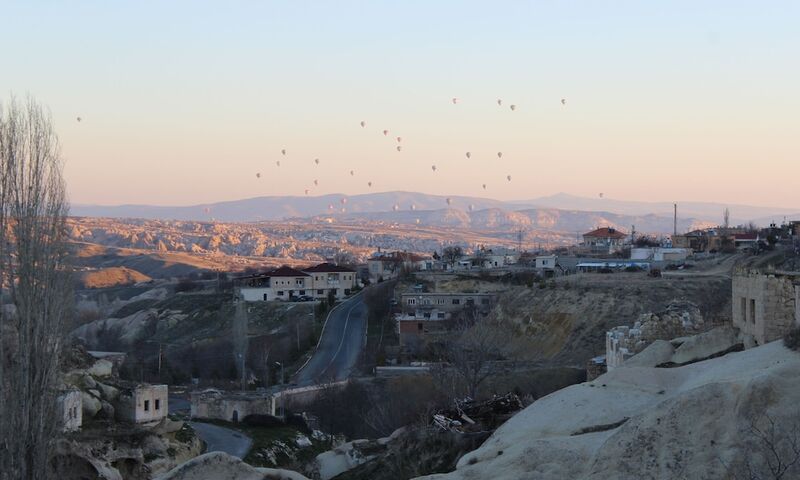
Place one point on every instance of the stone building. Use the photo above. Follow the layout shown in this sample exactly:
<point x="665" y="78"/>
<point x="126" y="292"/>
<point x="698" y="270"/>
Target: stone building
<point x="447" y="302"/>
<point x="70" y="404"/>
<point x="143" y="403"/>
<point x="230" y="406"/>
<point x="765" y="304"/>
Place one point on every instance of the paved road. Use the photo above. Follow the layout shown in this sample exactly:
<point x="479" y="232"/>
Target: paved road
<point x="221" y="439"/>
<point x="340" y="345"/>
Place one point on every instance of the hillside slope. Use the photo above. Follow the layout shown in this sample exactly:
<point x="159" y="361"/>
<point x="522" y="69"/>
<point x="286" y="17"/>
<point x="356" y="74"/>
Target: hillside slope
<point x="696" y="421"/>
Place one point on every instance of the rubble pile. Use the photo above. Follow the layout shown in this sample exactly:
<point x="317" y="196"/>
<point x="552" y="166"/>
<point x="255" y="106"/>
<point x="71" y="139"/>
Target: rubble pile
<point x="468" y="416"/>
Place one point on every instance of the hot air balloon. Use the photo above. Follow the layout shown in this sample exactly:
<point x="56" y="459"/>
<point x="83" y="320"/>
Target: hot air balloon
<point x="278" y="163"/>
<point x="563" y="101"/>
<point x="455" y="100"/>
<point x="471" y="207"/>
<point x="499" y="154"/>
<point x="283" y="151"/>
<point x="484" y="186"/>
<point x="449" y="201"/>
<point x="433" y="167"/>
<point x="399" y="139"/>
<point x="342" y="209"/>
<point x="399" y="148"/>
<point x="513" y="107"/>
<point x="601" y="194"/>
<point x="369" y="184"/>
<point x="413" y="207"/>
<point x="469" y="154"/>
<point x="508" y="177"/>
<point x="385" y="132"/>
<point x="363" y="123"/>
<point x="396" y="207"/>
<point x="207" y="210"/>
<point x="306" y="191"/>
<point x="79" y="119"/>
<point x="258" y="175"/>
<point x="330" y="206"/>
<point x="499" y="101"/>
<point x="417" y="221"/>
<point x="352" y="173"/>
<point x="316" y="160"/>
<point x="343" y="200"/>
<point x="316" y="182"/>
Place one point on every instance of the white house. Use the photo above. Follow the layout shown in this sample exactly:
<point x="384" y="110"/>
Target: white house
<point x="70" y="404"/>
<point x="286" y="283"/>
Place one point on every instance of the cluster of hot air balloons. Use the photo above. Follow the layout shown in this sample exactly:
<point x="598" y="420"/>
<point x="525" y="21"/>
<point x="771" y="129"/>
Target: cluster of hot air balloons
<point x="399" y="148"/>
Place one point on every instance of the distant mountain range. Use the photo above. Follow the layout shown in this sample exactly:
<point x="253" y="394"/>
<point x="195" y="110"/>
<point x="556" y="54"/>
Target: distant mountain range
<point x="562" y="212"/>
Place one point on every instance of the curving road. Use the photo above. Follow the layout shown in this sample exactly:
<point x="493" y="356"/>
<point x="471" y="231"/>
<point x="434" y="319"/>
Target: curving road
<point x="216" y="438"/>
<point x="340" y="344"/>
<point x="221" y="439"/>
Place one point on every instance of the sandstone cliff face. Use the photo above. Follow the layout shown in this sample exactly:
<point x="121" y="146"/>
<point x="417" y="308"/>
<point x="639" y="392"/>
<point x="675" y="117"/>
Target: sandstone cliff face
<point x="697" y="421"/>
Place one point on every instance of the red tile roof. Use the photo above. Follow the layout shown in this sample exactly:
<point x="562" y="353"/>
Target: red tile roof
<point x="284" y="271"/>
<point x="327" y="268"/>
<point x="605" y="232"/>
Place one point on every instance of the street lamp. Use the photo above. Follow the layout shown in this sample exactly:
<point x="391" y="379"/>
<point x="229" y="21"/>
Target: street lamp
<point x="283" y="413"/>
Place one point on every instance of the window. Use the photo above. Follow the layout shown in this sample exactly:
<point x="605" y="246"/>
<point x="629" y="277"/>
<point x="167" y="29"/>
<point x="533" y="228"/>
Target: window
<point x="301" y="292"/>
<point x="147" y="405"/>
<point x="280" y="293"/>
<point x="752" y="310"/>
<point x="743" y="303"/>
<point x="440" y="301"/>
<point x="158" y="404"/>
<point x="411" y="301"/>
<point x="265" y="297"/>
<point x="298" y="282"/>
<point x="456" y="301"/>
<point x="440" y="315"/>
<point x="419" y="326"/>
<point x="320" y="292"/>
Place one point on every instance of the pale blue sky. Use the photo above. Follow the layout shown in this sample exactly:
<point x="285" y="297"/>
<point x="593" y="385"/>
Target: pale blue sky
<point x="184" y="102"/>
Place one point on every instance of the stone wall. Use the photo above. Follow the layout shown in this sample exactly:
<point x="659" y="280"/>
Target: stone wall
<point x="764" y="304"/>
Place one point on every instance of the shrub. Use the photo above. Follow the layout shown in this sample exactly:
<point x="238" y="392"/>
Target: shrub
<point x="792" y="339"/>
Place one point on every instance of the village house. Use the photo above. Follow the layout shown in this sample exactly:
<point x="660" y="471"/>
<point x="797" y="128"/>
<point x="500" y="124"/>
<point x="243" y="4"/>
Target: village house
<point x="604" y="241"/>
<point x="142" y="403"/>
<point x="766" y="305"/>
<point x="547" y="265"/>
<point x="413" y="327"/>
<point x="70" y="404"/>
<point x="328" y="278"/>
<point x="233" y="407"/>
<point x="387" y="265"/>
<point x="660" y="254"/>
<point x="286" y="283"/>
<point x="447" y="302"/>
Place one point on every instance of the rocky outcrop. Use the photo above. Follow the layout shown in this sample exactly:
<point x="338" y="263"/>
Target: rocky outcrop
<point x="694" y="421"/>
<point x="219" y="465"/>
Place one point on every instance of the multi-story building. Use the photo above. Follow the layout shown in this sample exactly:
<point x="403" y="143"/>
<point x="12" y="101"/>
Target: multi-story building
<point x="447" y="302"/>
<point x="286" y="283"/>
<point x="604" y="240"/>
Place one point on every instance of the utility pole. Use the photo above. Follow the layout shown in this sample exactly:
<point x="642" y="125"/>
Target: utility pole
<point x="675" y="221"/>
<point x="243" y="372"/>
<point x="159" y="360"/>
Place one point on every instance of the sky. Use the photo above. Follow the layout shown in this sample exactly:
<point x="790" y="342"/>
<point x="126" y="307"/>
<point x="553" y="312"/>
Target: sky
<point x="184" y="102"/>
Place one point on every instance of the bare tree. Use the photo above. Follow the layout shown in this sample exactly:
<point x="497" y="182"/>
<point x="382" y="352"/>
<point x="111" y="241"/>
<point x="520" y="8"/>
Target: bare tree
<point x="726" y="218"/>
<point x="34" y="277"/>
<point x="773" y="449"/>
<point x="452" y="254"/>
<point x="473" y="352"/>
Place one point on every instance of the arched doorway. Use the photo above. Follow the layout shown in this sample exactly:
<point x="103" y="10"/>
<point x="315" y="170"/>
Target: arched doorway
<point x="235" y="418"/>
